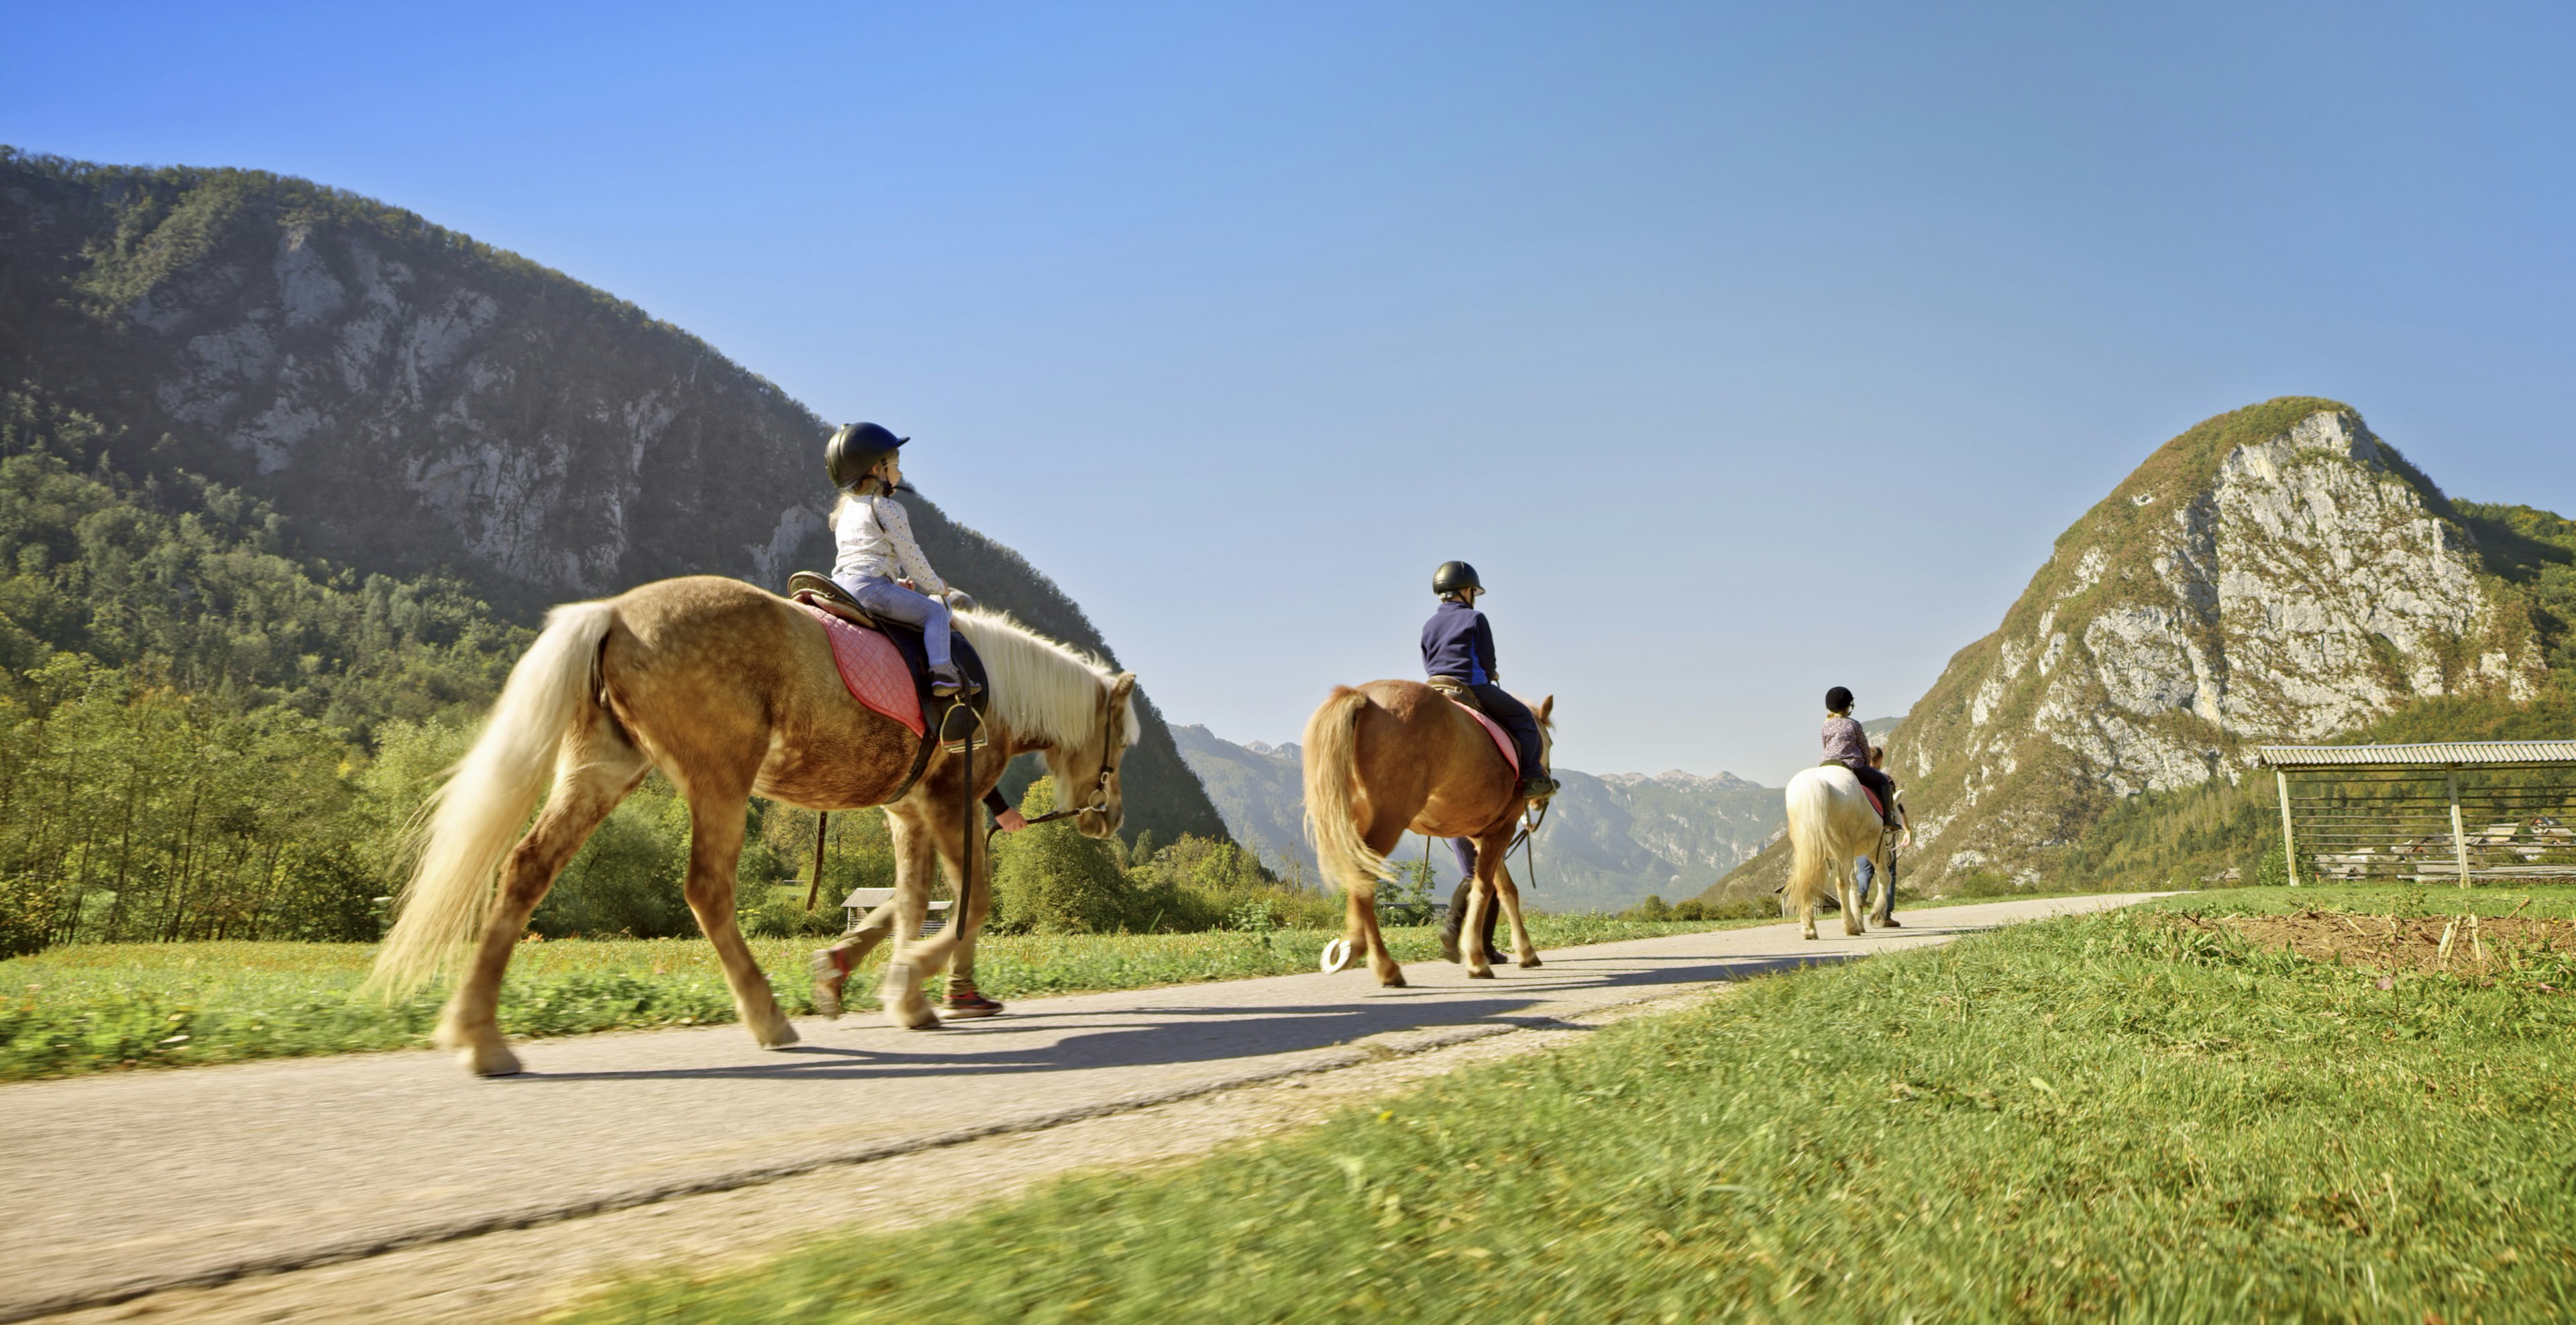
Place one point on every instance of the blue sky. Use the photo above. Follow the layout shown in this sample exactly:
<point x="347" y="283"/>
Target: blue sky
<point x="1746" y="351"/>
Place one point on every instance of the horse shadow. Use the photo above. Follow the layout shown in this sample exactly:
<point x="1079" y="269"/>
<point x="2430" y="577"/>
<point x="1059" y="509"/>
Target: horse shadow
<point x="1079" y="1039"/>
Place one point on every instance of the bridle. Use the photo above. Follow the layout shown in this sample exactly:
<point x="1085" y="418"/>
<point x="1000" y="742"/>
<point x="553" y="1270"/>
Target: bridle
<point x="1111" y="749"/>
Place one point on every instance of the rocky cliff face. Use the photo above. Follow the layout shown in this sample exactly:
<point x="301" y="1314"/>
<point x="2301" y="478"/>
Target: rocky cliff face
<point x="2278" y="573"/>
<point x="411" y="400"/>
<point x="1607" y="843"/>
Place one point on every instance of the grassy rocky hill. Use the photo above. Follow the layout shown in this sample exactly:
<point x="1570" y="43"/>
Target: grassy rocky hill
<point x="1608" y="843"/>
<point x="394" y="402"/>
<point x="2278" y="573"/>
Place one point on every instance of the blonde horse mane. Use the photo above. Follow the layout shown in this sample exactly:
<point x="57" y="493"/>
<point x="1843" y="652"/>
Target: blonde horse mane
<point x="1040" y="687"/>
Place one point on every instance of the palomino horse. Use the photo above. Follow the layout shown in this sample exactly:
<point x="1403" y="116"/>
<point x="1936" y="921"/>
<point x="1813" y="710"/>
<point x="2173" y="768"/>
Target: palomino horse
<point x="732" y="692"/>
<point x="1392" y="757"/>
<point x="1831" y="824"/>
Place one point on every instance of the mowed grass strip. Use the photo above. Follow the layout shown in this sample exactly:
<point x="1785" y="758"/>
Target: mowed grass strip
<point x="2102" y="1117"/>
<point x="106" y="1007"/>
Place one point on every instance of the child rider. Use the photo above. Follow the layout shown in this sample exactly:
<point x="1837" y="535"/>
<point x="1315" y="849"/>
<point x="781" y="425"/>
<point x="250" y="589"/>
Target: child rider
<point x="1846" y="744"/>
<point x="879" y="563"/>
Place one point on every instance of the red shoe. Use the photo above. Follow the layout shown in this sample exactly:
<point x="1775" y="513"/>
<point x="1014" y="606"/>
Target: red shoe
<point x="963" y="1001"/>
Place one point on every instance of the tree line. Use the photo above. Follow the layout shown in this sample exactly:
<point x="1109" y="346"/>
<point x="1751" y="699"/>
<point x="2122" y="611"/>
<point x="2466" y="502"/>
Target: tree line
<point x="203" y="736"/>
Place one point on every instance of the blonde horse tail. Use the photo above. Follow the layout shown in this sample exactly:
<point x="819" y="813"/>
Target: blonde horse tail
<point x="1811" y="840"/>
<point x="472" y="820"/>
<point x="1335" y="801"/>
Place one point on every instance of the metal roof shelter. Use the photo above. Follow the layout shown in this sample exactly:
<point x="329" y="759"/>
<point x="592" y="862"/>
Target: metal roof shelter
<point x="2450" y="811"/>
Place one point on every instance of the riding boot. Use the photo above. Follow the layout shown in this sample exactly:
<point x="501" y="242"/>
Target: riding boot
<point x="1538" y="788"/>
<point x="946" y="681"/>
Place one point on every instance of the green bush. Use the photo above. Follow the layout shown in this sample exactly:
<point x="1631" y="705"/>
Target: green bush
<point x="1653" y="908"/>
<point x="1053" y="880"/>
<point x="26" y="915"/>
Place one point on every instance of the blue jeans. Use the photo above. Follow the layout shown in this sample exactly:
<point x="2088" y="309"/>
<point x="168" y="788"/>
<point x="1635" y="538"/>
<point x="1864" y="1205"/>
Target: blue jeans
<point x="885" y="598"/>
<point x="1867" y="874"/>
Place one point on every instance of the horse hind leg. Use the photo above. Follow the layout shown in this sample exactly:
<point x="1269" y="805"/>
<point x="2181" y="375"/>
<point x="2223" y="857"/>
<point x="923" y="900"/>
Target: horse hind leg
<point x="596" y="769"/>
<point x="1524" y="952"/>
<point x="915" y="845"/>
<point x="716" y="821"/>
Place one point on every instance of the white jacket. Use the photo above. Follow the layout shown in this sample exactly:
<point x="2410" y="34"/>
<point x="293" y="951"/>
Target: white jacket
<point x="875" y="538"/>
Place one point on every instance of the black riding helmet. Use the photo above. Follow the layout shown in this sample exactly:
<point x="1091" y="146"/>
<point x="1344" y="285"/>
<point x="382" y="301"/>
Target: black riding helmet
<point x="1454" y="576"/>
<point x="1838" y="700"/>
<point x="855" y="450"/>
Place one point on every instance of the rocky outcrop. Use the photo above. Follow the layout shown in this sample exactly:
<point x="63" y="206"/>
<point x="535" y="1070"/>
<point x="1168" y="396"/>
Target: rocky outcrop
<point x="410" y="400"/>
<point x="2278" y="573"/>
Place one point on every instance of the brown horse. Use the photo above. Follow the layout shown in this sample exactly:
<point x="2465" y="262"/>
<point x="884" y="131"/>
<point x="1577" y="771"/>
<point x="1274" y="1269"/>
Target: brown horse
<point x="1392" y="757"/>
<point x="732" y="692"/>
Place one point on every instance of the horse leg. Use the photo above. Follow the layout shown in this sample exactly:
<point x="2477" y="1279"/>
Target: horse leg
<point x="1359" y="900"/>
<point x="1489" y="867"/>
<point x="716" y="822"/>
<point x="1848" y="889"/>
<point x="931" y="955"/>
<point x="833" y="965"/>
<point x="1381" y="961"/>
<point x="916" y="840"/>
<point x="1524" y="952"/>
<point x="594" y="771"/>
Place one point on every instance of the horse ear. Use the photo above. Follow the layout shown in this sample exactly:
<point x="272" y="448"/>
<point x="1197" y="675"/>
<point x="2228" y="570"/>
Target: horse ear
<point x="1545" y="707"/>
<point x="1121" y="688"/>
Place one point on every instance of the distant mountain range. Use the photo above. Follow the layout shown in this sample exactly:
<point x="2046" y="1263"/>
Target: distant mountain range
<point x="408" y="401"/>
<point x="1608" y="842"/>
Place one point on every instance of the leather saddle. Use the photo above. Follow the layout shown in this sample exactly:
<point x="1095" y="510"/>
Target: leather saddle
<point x="1454" y="689"/>
<point x="941" y="715"/>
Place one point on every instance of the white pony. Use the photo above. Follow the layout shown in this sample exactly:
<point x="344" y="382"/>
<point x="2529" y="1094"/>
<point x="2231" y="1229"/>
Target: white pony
<point x="1831" y="824"/>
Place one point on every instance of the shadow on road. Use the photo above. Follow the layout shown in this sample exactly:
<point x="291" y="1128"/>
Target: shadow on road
<point x="1076" y="1040"/>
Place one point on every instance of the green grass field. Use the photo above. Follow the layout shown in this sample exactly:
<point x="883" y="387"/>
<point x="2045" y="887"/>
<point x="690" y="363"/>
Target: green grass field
<point x="2113" y="1117"/>
<point x="105" y="1007"/>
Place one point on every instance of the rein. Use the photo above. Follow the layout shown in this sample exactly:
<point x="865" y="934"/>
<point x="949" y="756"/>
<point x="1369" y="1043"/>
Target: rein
<point x="1110" y="750"/>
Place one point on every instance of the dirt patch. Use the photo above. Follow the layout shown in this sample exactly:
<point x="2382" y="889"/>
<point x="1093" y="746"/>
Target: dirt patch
<point x="2480" y="947"/>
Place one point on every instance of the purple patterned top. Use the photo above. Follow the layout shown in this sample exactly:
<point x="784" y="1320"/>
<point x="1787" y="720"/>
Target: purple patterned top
<point x="1845" y="743"/>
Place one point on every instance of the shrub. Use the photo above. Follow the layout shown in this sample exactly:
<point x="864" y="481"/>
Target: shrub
<point x="1651" y="909"/>
<point x="26" y="915"/>
<point x="1053" y="880"/>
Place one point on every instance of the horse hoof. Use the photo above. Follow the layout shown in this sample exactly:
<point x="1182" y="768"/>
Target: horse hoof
<point x="1530" y="964"/>
<point x="1449" y="949"/>
<point x="1337" y="956"/>
<point x="1393" y="982"/>
<point x="778" y="1037"/>
<point x="828" y="979"/>
<point x="490" y="1060"/>
<point x="1485" y="974"/>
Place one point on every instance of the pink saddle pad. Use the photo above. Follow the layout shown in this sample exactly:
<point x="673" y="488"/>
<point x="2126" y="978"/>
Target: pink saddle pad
<point x="1502" y="739"/>
<point x="873" y="670"/>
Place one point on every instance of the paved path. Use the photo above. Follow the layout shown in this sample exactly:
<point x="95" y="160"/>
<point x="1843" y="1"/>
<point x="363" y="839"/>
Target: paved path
<point x="114" y="1186"/>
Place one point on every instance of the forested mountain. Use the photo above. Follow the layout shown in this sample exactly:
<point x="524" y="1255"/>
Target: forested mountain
<point x="1608" y="842"/>
<point x="2278" y="573"/>
<point x="277" y="454"/>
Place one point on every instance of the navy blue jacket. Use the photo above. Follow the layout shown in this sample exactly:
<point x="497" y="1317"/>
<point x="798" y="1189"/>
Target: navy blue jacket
<point x="1457" y="642"/>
